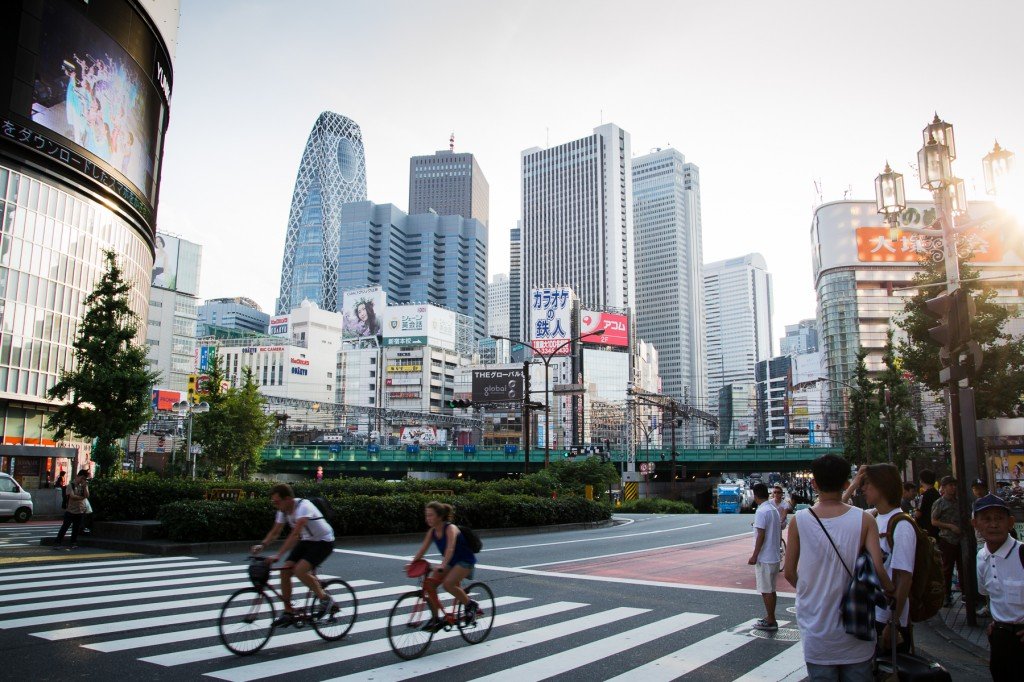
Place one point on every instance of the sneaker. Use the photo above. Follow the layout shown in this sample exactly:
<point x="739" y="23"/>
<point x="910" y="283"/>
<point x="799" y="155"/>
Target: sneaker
<point x="433" y="625"/>
<point x="763" y="624"/>
<point x="284" y="620"/>
<point x="325" y="607"/>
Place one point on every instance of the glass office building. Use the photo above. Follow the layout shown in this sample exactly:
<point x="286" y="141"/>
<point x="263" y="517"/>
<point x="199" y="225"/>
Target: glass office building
<point x="332" y="172"/>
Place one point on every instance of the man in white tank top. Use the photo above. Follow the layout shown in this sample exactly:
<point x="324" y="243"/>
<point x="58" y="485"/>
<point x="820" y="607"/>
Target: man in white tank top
<point x="821" y="575"/>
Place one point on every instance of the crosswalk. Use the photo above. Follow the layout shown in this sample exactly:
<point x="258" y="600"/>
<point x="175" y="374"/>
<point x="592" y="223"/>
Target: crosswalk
<point x="25" y="535"/>
<point x="151" y="614"/>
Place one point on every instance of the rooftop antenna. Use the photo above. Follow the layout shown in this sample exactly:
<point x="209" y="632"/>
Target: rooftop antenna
<point x="451" y="142"/>
<point x="847" y="192"/>
<point x="602" y="116"/>
<point x="817" y="190"/>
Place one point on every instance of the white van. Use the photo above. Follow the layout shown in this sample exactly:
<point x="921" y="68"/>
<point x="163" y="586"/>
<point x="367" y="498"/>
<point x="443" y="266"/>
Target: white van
<point x="15" y="501"/>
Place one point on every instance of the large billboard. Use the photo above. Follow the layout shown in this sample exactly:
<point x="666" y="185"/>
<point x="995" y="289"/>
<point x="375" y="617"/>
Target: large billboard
<point x="497" y="385"/>
<point x="165" y="262"/>
<point x="363" y="311"/>
<point x="423" y="435"/>
<point x="551" y="320"/>
<point x="419" y="325"/>
<point x="615" y="326"/>
<point x="278" y="326"/>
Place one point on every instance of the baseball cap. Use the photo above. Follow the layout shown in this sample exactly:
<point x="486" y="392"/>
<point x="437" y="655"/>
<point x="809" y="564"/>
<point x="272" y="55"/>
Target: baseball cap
<point x="990" y="502"/>
<point x="979" y="482"/>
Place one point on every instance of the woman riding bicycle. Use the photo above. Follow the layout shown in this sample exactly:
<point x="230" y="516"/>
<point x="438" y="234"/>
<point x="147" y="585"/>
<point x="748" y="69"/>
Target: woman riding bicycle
<point x="457" y="561"/>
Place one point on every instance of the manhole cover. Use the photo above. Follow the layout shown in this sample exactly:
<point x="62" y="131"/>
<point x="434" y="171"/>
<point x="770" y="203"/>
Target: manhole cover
<point x="791" y="609"/>
<point x="782" y="634"/>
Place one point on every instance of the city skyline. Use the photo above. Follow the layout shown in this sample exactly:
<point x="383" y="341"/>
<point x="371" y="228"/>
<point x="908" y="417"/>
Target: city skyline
<point x="736" y="112"/>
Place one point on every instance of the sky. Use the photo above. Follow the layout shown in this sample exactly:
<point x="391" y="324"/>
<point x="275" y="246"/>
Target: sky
<point x="770" y="100"/>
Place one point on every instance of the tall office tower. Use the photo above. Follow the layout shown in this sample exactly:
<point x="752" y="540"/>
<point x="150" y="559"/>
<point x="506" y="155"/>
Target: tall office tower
<point x="233" y="315"/>
<point x="800" y="338"/>
<point x="578" y="219"/>
<point x="448" y="184"/>
<point x="669" y="266"/>
<point x="171" y="326"/>
<point x="497" y="305"/>
<point x="515" y="283"/>
<point x="738" y="310"/>
<point x="332" y="172"/>
<point x="424" y="258"/>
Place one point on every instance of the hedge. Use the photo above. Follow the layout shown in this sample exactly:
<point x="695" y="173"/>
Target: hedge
<point x="655" y="505"/>
<point x="207" y="521"/>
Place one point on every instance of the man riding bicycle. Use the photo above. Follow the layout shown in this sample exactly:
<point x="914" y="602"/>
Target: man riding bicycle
<point x="311" y="541"/>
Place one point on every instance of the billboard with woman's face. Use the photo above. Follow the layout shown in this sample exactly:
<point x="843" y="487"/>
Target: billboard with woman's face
<point x="363" y="311"/>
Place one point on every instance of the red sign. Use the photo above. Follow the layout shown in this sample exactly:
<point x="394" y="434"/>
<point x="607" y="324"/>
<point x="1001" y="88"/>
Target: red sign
<point x="874" y="246"/>
<point x="163" y="400"/>
<point x="616" y="329"/>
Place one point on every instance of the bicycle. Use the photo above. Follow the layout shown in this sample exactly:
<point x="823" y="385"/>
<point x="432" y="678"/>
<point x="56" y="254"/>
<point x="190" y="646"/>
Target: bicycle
<point x="412" y="611"/>
<point x="246" y="621"/>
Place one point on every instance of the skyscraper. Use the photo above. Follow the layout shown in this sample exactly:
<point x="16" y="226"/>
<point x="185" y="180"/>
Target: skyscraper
<point x="669" y="266"/>
<point x="448" y="184"/>
<point x="331" y="173"/>
<point x="515" y="283"/>
<point x="738" y="302"/>
<point x="424" y="258"/>
<point x="171" y="326"/>
<point x="801" y="337"/>
<point x="238" y="314"/>
<point x="577" y="218"/>
<point x="497" y="305"/>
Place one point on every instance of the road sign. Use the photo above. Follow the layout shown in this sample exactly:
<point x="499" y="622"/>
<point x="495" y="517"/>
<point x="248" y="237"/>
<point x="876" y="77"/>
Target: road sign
<point x="646" y="468"/>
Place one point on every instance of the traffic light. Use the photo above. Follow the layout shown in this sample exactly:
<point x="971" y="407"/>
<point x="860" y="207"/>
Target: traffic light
<point x="193" y="389"/>
<point x="459" y="403"/>
<point x="954" y="311"/>
<point x="535" y="405"/>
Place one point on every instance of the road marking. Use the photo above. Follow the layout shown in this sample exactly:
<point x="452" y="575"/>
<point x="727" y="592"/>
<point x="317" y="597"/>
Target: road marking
<point x="322" y="657"/>
<point x="89" y="564"/>
<point x="56" y="558"/>
<point x="600" y="539"/>
<point x="491" y="647"/>
<point x="565" y="661"/>
<point x="129" y="582"/>
<point x="788" y="666"/>
<point x="116" y="569"/>
<point x="636" y="551"/>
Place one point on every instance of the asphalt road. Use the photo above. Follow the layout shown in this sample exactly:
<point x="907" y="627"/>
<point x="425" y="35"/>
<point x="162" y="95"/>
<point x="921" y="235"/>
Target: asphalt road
<point x="654" y="598"/>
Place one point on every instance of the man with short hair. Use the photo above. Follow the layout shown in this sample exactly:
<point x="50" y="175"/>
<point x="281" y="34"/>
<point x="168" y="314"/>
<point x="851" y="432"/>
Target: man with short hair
<point x="929" y="494"/>
<point x="313" y="541"/>
<point x="909" y="495"/>
<point x="767" y="539"/>
<point x="946" y="519"/>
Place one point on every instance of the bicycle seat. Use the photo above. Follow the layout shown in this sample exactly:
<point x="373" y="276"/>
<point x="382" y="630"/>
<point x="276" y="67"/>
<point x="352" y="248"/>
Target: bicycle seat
<point x="417" y="568"/>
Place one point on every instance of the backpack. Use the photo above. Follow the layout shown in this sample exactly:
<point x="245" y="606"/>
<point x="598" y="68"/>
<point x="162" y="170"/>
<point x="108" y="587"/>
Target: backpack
<point x="928" y="587"/>
<point x="327" y="512"/>
<point x="472" y="539"/>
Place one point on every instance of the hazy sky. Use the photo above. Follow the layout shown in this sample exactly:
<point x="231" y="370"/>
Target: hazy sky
<point x="766" y="97"/>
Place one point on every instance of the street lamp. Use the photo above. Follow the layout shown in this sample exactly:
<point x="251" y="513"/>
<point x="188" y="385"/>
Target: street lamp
<point x="187" y="409"/>
<point x="546" y="358"/>
<point x="890" y="199"/>
<point x="998" y="165"/>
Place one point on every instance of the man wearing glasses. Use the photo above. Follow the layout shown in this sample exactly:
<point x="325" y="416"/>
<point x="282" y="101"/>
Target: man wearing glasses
<point x="780" y="503"/>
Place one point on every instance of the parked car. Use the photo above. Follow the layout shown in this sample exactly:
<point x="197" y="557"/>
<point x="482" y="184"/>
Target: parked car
<point x="15" y="501"/>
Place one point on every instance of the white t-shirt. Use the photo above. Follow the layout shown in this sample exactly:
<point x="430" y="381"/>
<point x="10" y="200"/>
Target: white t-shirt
<point x="767" y="518"/>
<point x="316" y="529"/>
<point x="1001" y="576"/>
<point x="902" y="559"/>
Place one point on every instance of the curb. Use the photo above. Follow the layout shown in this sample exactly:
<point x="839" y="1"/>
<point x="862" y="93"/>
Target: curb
<point x="939" y="627"/>
<point x="169" y="548"/>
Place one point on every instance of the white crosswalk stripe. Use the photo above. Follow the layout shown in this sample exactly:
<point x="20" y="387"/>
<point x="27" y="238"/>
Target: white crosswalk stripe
<point x="164" y="612"/>
<point x="26" y="536"/>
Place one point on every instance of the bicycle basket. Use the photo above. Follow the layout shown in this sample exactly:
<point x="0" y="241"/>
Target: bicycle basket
<point x="259" y="573"/>
<point x="417" y="568"/>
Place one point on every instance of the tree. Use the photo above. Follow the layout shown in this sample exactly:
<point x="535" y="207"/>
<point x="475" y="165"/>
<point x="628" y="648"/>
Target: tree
<point x="999" y="387"/>
<point x="860" y="441"/>
<point x="108" y="392"/>
<point x="235" y="430"/>
<point x="898" y="430"/>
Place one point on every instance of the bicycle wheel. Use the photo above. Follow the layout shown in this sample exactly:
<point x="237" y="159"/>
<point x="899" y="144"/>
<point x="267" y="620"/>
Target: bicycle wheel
<point x="246" y="621"/>
<point x="336" y="623"/>
<point x="474" y="628"/>
<point x="405" y="625"/>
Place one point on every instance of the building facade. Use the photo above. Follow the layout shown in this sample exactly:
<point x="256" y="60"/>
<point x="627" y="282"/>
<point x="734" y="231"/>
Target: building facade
<point x="515" y="284"/>
<point x="669" y="270"/>
<point x="773" y="387"/>
<point x="441" y="260"/>
<point x="448" y="184"/>
<point x="171" y="328"/>
<point x="738" y="308"/>
<point x="801" y="337"/>
<point x="67" y="195"/>
<point x="577" y="219"/>
<point x="238" y="314"/>
<point x="498" y="299"/>
<point x="331" y="173"/>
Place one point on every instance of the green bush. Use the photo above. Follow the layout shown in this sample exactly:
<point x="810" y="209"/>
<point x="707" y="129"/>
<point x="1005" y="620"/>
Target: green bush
<point x="139" y="497"/>
<point x="207" y="521"/>
<point x="655" y="505"/>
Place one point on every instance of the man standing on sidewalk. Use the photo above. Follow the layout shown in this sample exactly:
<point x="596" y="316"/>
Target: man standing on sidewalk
<point x="929" y="495"/>
<point x="765" y="559"/>
<point x="946" y="519"/>
<point x="78" y="493"/>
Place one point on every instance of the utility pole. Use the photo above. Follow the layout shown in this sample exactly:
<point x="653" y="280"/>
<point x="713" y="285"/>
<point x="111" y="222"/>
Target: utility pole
<point x="526" y="417"/>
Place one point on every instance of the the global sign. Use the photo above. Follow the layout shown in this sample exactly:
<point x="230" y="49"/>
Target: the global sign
<point x="616" y="328"/>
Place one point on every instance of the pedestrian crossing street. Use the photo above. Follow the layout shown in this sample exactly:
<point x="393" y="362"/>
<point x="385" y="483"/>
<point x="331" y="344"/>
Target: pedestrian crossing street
<point x="161" y="613"/>
<point x="25" y="535"/>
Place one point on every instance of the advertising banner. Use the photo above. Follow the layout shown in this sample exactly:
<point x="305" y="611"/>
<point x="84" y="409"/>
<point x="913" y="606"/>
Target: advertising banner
<point x="164" y="400"/>
<point x="423" y="435"/>
<point x="497" y="386"/>
<point x="279" y="326"/>
<point x="615" y="326"/>
<point x="404" y="379"/>
<point x="419" y="325"/>
<point x="551" y="320"/>
<point x="205" y="352"/>
<point x="363" y="311"/>
<point x="874" y="245"/>
<point x="165" y="262"/>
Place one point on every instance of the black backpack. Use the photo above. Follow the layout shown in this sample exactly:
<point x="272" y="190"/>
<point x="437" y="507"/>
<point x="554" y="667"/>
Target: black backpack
<point x="472" y="539"/>
<point x="327" y="512"/>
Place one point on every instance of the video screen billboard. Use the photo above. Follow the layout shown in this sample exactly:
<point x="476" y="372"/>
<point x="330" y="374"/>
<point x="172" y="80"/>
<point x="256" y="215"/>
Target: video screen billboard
<point x="363" y="311"/>
<point x="551" y="320"/>
<point x="165" y="262"/>
<point x="497" y="385"/>
<point x="89" y="90"/>
<point x="615" y="326"/>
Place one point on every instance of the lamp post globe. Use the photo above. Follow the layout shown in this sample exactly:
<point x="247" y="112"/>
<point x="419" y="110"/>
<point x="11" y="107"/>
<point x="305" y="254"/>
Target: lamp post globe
<point x="998" y="165"/>
<point x="942" y="133"/>
<point x="933" y="163"/>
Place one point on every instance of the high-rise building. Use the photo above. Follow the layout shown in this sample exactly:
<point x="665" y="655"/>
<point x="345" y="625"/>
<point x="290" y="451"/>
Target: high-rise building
<point x="67" y="196"/>
<point x="773" y="385"/>
<point x="497" y="306"/>
<point x="448" y="184"/>
<point x="669" y="265"/>
<point x="738" y="310"/>
<point x="237" y="314"/>
<point x="332" y="172"/>
<point x="800" y="338"/>
<point x="171" y="329"/>
<point x="515" y="283"/>
<point x="424" y="258"/>
<point x="577" y="219"/>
